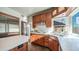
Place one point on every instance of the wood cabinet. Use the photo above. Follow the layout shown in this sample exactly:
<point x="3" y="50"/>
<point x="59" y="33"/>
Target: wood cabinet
<point x="45" y="17"/>
<point x="36" y="20"/>
<point x="22" y="47"/>
<point x="37" y="39"/>
<point x="47" y="41"/>
<point x="40" y="42"/>
<point x="48" y="20"/>
<point x="53" y="44"/>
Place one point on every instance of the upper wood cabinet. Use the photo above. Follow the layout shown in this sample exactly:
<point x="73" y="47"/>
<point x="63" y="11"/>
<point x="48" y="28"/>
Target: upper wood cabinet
<point x="45" y="17"/>
<point x="34" y="21"/>
<point x="48" y="20"/>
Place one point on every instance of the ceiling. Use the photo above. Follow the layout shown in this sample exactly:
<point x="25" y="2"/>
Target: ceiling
<point x="27" y="11"/>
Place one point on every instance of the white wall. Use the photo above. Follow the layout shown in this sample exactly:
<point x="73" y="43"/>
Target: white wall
<point x="29" y="19"/>
<point x="10" y="11"/>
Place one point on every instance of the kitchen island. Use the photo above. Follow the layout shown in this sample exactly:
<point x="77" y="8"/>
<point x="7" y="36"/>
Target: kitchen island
<point x="8" y="43"/>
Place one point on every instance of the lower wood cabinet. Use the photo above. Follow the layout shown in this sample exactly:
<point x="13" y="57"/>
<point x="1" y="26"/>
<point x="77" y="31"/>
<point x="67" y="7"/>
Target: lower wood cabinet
<point x="47" y="41"/>
<point x="53" y="44"/>
<point x="40" y="41"/>
<point x="22" y="47"/>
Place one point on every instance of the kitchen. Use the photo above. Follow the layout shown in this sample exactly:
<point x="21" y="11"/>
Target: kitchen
<point x="39" y="29"/>
<point x="54" y="32"/>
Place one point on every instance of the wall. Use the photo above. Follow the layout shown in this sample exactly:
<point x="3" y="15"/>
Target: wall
<point x="9" y="11"/>
<point x="29" y="19"/>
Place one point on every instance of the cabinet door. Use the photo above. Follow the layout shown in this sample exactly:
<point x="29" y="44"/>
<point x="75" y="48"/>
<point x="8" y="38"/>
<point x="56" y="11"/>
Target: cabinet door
<point x="53" y="45"/>
<point x="46" y="41"/>
<point x="39" y="18"/>
<point x="43" y="17"/>
<point x="34" y="22"/>
<point x="40" y="42"/>
<point x="48" y="20"/>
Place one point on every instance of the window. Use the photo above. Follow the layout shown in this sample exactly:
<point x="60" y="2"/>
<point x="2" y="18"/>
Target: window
<point x="75" y="23"/>
<point x="2" y="27"/>
<point x="9" y="25"/>
<point x="2" y="24"/>
<point x="13" y="28"/>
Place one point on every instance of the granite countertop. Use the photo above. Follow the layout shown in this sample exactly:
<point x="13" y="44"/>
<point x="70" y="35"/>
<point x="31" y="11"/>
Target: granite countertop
<point x="8" y="43"/>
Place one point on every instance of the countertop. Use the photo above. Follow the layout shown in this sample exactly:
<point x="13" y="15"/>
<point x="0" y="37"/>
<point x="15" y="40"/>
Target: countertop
<point x="8" y="43"/>
<point x="41" y="33"/>
<point x="68" y="42"/>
